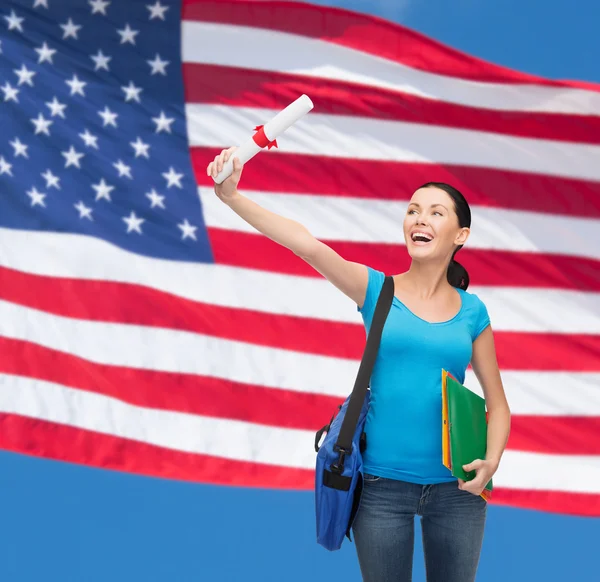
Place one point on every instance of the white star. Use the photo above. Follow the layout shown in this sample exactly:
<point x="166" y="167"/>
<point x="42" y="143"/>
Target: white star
<point x="84" y="211"/>
<point x="103" y="190"/>
<point x="76" y="86"/>
<point x="46" y="53"/>
<point x="10" y="93"/>
<point x="157" y="10"/>
<point x="52" y="181"/>
<point x="141" y="148"/>
<point x="132" y="92"/>
<point x="128" y="34"/>
<point x="14" y="22"/>
<point x="25" y="75"/>
<point x="188" y="230"/>
<point x="20" y="148"/>
<point x="91" y="141"/>
<point x="108" y="117"/>
<point x="123" y="169"/>
<point x="36" y="197"/>
<point x="134" y="223"/>
<point x="56" y="108"/>
<point x="156" y="199"/>
<point x="158" y="65"/>
<point x="163" y="123"/>
<point x="72" y="158"/>
<point x="43" y="3"/>
<point x="5" y="167"/>
<point x="101" y="61"/>
<point x="42" y="125"/>
<point x="99" y="6"/>
<point x="70" y="29"/>
<point x="172" y="178"/>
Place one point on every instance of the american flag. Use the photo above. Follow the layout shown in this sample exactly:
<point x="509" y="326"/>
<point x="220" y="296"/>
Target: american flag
<point x="144" y="327"/>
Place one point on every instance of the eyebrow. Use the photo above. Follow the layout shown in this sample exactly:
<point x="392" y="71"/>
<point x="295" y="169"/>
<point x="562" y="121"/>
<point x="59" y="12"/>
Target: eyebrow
<point x="438" y="204"/>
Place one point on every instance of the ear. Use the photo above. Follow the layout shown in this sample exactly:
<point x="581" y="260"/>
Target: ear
<point x="462" y="236"/>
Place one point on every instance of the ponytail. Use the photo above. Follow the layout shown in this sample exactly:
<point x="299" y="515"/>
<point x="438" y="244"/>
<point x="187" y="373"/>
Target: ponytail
<point x="457" y="275"/>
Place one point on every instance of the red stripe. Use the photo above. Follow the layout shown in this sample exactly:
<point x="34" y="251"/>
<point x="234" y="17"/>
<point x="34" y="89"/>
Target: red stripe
<point x="308" y="174"/>
<point x="39" y="438"/>
<point x="485" y="267"/>
<point x="361" y="32"/>
<point x="126" y="303"/>
<point x="575" y="435"/>
<point x="272" y="90"/>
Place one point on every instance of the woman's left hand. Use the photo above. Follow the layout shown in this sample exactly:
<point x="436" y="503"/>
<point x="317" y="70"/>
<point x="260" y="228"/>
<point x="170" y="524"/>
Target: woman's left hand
<point x="484" y="472"/>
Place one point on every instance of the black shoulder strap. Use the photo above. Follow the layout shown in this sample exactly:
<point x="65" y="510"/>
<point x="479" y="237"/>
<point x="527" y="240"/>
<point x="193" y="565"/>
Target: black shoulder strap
<point x="357" y="398"/>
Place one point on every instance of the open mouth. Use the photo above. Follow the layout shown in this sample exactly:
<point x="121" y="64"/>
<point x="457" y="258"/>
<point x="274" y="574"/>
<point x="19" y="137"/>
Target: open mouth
<point x="421" y="237"/>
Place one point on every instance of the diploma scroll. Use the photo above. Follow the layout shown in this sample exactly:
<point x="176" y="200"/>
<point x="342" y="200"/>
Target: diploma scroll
<point x="266" y="135"/>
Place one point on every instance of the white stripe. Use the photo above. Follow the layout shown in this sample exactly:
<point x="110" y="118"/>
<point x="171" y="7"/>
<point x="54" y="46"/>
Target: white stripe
<point x="343" y="136"/>
<point x="166" y="350"/>
<point x="244" y="441"/>
<point x="359" y="220"/>
<point x="68" y="255"/>
<point x="219" y="44"/>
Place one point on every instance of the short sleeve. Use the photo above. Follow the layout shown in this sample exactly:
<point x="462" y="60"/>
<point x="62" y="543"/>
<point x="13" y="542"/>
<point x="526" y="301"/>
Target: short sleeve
<point x="482" y="319"/>
<point x="376" y="279"/>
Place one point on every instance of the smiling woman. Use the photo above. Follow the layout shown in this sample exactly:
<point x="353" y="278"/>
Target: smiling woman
<point x="433" y="324"/>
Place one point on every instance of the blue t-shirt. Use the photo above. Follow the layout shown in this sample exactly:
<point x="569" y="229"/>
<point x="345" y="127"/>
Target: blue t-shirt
<point x="403" y="425"/>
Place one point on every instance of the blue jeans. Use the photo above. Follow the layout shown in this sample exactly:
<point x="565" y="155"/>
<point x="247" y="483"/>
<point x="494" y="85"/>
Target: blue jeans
<point x="452" y="522"/>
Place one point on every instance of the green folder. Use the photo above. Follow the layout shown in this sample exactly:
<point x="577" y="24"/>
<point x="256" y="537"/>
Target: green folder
<point x="464" y="429"/>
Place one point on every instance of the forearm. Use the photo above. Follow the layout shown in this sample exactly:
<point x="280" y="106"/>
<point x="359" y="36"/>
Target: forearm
<point x="498" y="431"/>
<point x="285" y="231"/>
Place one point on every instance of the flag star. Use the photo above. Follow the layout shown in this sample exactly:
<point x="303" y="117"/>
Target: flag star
<point x="52" y="181"/>
<point x="101" y="61"/>
<point x="163" y="123"/>
<point x="76" y="86"/>
<point x="90" y="140"/>
<point x="14" y="22"/>
<point x="37" y="198"/>
<point x="99" y="6"/>
<point x="156" y="199"/>
<point x="134" y="223"/>
<point x="10" y="93"/>
<point x="158" y="65"/>
<point x="172" y="178"/>
<point x="84" y="211"/>
<point x="56" y="108"/>
<point x="42" y="125"/>
<point x="157" y="10"/>
<point x="43" y="3"/>
<point x="128" y="34"/>
<point x="141" y="148"/>
<point x="188" y="230"/>
<point x="25" y="75"/>
<point x="46" y="54"/>
<point x="108" y="117"/>
<point x="20" y="148"/>
<point x="132" y="92"/>
<point x="123" y="169"/>
<point x="103" y="190"/>
<point x="5" y="167"/>
<point x="70" y="29"/>
<point x="72" y="158"/>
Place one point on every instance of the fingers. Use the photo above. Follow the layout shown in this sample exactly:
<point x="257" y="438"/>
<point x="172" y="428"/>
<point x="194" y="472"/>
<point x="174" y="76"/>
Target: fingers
<point x="216" y="166"/>
<point x="476" y="464"/>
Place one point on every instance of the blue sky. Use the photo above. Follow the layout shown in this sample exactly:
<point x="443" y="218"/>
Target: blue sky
<point x="68" y="523"/>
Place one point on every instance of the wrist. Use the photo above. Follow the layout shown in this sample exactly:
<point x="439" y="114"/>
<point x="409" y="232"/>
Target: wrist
<point x="234" y="197"/>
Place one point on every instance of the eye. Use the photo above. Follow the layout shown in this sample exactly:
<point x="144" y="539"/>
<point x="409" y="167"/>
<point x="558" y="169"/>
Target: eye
<point x="437" y="212"/>
<point x="411" y="211"/>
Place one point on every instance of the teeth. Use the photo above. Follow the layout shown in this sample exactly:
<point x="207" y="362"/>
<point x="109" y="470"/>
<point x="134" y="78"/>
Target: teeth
<point x="422" y="234"/>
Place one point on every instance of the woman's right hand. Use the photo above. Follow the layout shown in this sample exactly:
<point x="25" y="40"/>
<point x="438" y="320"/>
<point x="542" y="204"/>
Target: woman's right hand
<point x="227" y="190"/>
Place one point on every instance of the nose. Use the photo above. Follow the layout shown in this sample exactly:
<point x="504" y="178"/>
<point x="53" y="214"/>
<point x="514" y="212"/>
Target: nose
<point x="421" y="220"/>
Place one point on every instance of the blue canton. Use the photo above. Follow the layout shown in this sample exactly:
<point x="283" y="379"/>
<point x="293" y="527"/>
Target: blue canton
<point x="94" y="138"/>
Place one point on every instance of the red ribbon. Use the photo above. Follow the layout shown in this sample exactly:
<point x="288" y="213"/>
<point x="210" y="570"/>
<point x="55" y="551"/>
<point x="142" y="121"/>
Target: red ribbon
<point x="261" y="140"/>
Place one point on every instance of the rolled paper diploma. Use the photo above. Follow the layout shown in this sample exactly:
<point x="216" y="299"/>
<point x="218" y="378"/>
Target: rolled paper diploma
<point x="266" y="135"/>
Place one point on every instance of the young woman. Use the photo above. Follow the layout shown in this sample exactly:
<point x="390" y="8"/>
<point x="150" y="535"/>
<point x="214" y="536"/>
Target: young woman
<point x="434" y="323"/>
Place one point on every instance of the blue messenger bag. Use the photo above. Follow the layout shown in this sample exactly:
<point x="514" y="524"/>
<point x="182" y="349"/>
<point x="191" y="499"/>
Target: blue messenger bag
<point x="339" y="468"/>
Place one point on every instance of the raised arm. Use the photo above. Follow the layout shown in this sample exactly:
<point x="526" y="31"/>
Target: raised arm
<point x="349" y="277"/>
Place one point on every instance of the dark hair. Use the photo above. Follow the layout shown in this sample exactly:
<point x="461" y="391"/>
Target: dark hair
<point x="457" y="275"/>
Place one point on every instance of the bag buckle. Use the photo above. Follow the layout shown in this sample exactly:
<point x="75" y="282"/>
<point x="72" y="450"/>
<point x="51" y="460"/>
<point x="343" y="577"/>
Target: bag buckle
<point x="338" y="467"/>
